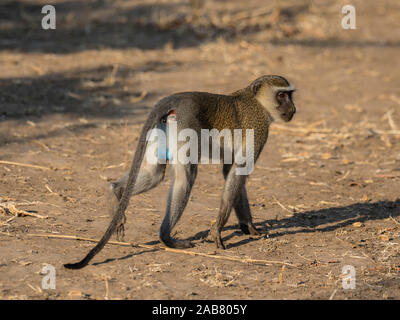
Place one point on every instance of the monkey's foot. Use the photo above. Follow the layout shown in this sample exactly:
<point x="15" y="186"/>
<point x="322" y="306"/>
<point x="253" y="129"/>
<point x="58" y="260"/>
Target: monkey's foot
<point x="177" y="244"/>
<point x="249" y="228"/>
<point x="219" y="243"/>
<point x="216" y="236"/>
<point x="120" y="231"/>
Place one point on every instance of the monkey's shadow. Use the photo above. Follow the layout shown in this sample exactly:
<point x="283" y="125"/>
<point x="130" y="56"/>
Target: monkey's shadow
<point x="125" y="257"/>
<point x="322" y="220"/>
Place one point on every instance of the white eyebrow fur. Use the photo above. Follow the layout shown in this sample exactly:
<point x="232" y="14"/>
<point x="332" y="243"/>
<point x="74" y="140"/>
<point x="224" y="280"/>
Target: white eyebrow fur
<point x="288" y="88"/>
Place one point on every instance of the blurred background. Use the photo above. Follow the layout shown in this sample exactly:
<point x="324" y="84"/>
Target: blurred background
<point x="165" y="46"/>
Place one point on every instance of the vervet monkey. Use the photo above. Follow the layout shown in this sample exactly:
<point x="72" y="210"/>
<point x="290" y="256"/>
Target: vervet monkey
<point x="266" y="99"/>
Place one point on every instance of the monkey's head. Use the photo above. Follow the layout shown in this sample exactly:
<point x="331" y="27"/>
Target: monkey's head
<point x="275" y="94"/>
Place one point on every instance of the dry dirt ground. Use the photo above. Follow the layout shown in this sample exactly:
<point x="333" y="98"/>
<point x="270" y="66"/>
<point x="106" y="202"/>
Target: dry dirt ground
<point x="325" y="191"/>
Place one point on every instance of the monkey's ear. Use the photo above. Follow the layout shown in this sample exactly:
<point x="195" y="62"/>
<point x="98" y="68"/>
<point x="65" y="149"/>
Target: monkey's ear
<point x="255" y="86"/>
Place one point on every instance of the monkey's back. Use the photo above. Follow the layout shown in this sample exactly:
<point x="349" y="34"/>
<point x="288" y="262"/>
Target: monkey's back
<point x="218" y="111"/>
<point x="204" y="110"/>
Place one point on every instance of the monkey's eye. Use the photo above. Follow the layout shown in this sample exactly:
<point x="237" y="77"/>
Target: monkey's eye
<point x="281" y="95"/>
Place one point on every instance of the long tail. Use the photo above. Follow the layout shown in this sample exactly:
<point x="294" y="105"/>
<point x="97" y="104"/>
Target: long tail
<point x="151" y="121"/>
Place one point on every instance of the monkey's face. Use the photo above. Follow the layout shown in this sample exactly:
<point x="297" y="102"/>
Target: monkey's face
<point x="285" y="105"/>
<point x="275" y="95"/>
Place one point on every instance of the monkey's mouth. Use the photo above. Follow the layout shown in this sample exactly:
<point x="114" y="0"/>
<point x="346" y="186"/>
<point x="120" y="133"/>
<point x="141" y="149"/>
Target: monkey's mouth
<point x="288" y="116"/>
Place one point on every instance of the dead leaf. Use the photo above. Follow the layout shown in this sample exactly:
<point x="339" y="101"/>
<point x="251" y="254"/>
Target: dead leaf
<point x="139" y="98"/>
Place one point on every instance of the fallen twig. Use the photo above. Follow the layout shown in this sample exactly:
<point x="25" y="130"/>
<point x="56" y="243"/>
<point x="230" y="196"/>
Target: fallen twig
<point x="251" y="14"/>
<point x="333" y="294"/>
<point x="106" y="297"/>
<point x="388" y="116"/>
<point x="395" y="132"/>
<point x="181" y="251"/>
<point x="139" y="98"/>
<point x="281" y="205"/>
<point x="394" y="220"/>
<point x="343" y="177"/>
<point x="302" y="130"/>
<point x="41" y="144"/>
<point x="24" y="165"/>
<point x="37" y="289"/>
<point x="12" y="209"/>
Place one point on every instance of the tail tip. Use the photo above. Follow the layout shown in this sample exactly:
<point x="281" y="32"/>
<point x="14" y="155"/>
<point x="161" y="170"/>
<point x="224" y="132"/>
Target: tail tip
<point x="78" y="265"/>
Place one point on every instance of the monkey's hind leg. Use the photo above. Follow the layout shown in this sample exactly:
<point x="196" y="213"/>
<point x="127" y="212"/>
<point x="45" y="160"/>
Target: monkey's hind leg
<point x="115" y="191"/>
<point x="150" y="176"/>
<point x="183" y="179"/>
<point x="242" y="208"/>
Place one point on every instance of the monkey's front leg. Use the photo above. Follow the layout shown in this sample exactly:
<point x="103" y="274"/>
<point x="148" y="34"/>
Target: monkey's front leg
<point x="243" y="213"/>
<point x="242" y="208"/>
<point x="232" y="188"/>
